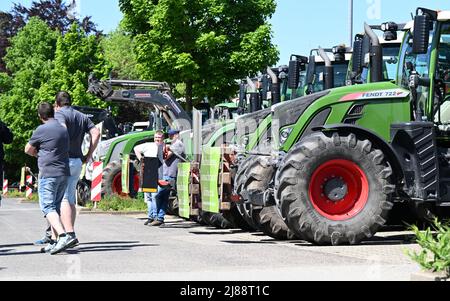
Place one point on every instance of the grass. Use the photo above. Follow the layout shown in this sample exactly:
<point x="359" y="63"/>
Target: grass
<point x="116" y="203"/>
<point x="21" y="195"/>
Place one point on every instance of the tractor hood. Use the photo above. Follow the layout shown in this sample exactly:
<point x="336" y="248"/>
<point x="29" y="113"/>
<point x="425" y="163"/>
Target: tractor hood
<point x="248" y="124"/>
<point x="288" y="112"/>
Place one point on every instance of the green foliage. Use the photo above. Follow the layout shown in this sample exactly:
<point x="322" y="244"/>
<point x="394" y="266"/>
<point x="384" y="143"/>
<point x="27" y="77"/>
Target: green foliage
<point x="77" y="55"/>
<point x="43" y="62"/>
<point x="116" y="203"/>
<point x="435" y="243"/>
<point x="205" y="44"/>
<point x="30" y="61"/>
<point x="118" y="48"/>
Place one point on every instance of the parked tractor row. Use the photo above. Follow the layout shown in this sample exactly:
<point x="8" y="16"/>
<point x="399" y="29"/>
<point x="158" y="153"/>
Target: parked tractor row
<point x="328" y="148"/>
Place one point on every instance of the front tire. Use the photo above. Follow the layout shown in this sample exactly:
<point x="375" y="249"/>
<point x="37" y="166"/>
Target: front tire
<point x="334" y="189"/>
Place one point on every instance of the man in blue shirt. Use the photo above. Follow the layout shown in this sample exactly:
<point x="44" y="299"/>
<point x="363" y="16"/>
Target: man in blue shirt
<point x="77" y="125"/>
<point x="50" y="144"/>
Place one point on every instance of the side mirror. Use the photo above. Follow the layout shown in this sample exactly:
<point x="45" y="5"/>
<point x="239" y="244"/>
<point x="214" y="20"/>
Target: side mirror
<point x="357" y="55"/>
<point x="294" y="74"/>
<point x="296" y="66"/>
<point x="422" y="27"/>
<point x="310" y="73"/>
<point x="151" y="121"/>
<point x="265" y="88"/>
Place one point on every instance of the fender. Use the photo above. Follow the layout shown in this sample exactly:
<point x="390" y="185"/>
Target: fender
<point x="377" y="141"/>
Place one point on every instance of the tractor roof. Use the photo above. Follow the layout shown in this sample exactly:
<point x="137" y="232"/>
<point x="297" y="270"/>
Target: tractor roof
<point x="444" y="15"/>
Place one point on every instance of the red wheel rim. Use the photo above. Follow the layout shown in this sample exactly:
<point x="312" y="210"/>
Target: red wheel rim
<point x="355" y="197"/>
<point x="117" y="184"/>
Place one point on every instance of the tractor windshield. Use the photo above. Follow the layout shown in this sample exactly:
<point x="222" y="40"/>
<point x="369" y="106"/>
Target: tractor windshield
<point x="390" y="61"/>
<point x="419" y="63"/>
<point x="340" y="76"/>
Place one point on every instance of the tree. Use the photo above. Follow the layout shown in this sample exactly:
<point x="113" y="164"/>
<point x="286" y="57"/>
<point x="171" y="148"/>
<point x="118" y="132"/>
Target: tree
<point x="5" y="35"/>
<point x="77" y="56"/>
<point x="118" y="49"/>
<point x="30" y="61"/>
<point x="42" y="62"/>
<point x="205" y="44"/>
<point x="55" y="13"/>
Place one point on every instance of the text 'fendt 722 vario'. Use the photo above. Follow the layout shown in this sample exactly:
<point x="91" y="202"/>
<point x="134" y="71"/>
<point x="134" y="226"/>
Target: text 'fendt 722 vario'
<point x="351" y="153"/>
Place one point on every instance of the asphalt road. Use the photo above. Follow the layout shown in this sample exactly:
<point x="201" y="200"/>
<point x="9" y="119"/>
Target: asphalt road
<point x="122" y="248"/>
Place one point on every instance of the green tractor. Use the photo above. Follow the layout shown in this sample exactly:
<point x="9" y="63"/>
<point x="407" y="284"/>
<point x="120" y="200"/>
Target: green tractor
<point x="348" y="155"/>
<point x="255" y="176"/>
<point x="254" y="135"/>
<point x="163" y="111"/>
<point x="254" y="94"/>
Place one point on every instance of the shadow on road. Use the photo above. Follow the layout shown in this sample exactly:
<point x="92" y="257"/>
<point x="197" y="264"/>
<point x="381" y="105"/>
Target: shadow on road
<point x="388" y="240"/>
<point x="180" y="225"/>
<point x="85" y="248"/>
<point x="107" y="247"/>
<point x="214" y="231"/>
<point x="16" y="245"/>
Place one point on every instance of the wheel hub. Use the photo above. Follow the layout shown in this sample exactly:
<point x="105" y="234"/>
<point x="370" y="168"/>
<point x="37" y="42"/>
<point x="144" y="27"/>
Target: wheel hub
<point x="335" y="189"/>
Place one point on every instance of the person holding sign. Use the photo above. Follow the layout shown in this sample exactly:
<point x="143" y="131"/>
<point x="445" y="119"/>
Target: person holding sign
<point x="146" y="150"/>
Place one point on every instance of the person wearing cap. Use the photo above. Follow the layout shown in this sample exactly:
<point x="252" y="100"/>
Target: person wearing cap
<point x="173" y="154"/>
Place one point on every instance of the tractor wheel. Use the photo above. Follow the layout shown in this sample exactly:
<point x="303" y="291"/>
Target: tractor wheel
<point x="255" y="176"/>
<point x="236" y="219"/>
<point x="273" y="225"/>
<point x="246" y="210"/>
<point x="83" y="193"/>
<point x="216" y="220"/>
<point x="112" y="180"/>
<point x="173" y="208"/>
<point x="334" y="189"/>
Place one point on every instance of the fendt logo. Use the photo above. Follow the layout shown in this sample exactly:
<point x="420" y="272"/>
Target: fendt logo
<point x="384" y="94"/>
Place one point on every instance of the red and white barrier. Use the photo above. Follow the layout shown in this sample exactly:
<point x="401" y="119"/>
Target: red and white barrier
<point x="96" y="188"/>
<point x="5" y="187"/>
<point x="29" y="191"/>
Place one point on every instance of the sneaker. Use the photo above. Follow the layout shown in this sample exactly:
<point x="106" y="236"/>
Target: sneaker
<point x="43" y="241"/>
<point x="149" y="221"/>
<point x="157" y="223"/>
<point x="72" y="242"/>
<point x="61" y="245"/>
<point x="49" y="247"/>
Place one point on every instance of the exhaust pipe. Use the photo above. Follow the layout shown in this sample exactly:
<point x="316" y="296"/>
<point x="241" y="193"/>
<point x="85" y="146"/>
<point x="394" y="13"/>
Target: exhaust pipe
<point x="329" y="70"/>
<point x="276" y="89"/>
<point x="376" y="55"/>
<point x="255" y="104"/>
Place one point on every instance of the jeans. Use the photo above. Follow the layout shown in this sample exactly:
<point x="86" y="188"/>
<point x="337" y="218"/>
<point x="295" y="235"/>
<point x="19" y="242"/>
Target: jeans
<point x="160" y="201"/>
<point x="76" y="167"/>
<point x="51" y="192"/>
<point x="151" y="205"/>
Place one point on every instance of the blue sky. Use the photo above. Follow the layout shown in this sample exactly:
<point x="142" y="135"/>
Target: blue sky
<point x="298" y="25"/>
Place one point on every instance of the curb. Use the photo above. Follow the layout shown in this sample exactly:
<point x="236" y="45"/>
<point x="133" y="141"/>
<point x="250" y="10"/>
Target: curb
<point x="99" y="212"/>
<point x="429" y="276"/>
<point x="25" y="201"/>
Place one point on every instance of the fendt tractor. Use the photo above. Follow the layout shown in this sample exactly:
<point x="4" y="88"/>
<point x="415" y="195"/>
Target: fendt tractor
<point x="347" y="155"/>
<point x="163" y="111"/>
<point x="255" y="176"/>
<point x="254" y="133"/>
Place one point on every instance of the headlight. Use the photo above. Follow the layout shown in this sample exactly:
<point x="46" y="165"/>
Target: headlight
<point x="284" y="135"/>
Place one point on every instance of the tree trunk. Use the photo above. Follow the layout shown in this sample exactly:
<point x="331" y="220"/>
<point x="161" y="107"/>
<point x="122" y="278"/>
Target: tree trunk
<point x="189" y="91"/>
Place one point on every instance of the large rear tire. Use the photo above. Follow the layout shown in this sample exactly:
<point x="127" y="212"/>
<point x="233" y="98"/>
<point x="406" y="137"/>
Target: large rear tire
<point x="335" y="189"/>
<point x="112" y="180"/>
<point x="254" y="176"/>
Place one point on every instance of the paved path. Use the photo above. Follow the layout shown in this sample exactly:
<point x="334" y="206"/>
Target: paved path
<point x="122" y="248"/>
